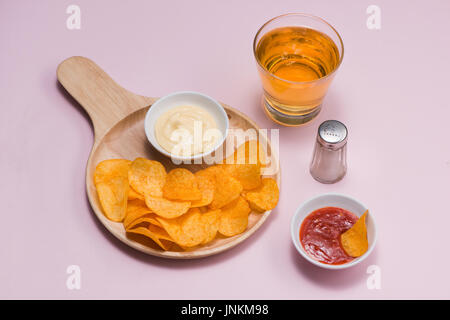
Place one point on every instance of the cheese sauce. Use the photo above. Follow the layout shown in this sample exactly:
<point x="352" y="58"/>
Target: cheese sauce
<point x="183" y="131"/>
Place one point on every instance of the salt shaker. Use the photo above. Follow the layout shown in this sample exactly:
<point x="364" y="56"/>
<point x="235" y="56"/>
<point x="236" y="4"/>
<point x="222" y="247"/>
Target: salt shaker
<point x="329" y="161"/>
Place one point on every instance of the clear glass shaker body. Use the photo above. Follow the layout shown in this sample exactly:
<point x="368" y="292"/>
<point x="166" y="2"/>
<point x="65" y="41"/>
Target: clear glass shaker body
<point x="329" y="161"/>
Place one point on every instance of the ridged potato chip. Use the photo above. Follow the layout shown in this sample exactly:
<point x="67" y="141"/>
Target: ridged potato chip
<point x="249" y="175"/>
<point x="113" y="198"/>
<point x="206" y="187"/>
<point x="111" y="168"/>
<point x="245" y="164"/>
<point x="132" y="195"/>
<point x="234" y="217"/>
<point x="264" y="197"/>
<point x="210" y="172"/>
<point x="249" y="152"/>
<point x="211" y="221"/>
<point x="135" y="209"/>
<point x="188" y="230"/>
<point x="354" y="240"/>
<point x="167" y="208"/>
<point x="111" y="182"/>
<point x="155" y="233"/>
<point x="149" y="218"/>
<point x="226" y="188"/>
<point x="147" y="177"/>
<point x="181" y="185"/>
<point x="137" y="204"/>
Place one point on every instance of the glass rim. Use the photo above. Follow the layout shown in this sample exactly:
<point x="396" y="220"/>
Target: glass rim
<point x="302" y="15"/>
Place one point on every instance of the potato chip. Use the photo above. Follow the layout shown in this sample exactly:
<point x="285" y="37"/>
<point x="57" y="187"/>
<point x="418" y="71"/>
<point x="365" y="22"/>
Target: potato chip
<point x="155" y="233"/>
<point x="264" y="197"/>
<point x="108" y="169"/>
<point x="187" y="230"/>
<point x="249" y="175"/>
<point x="210" y="172"/>
<point x="226" y="188"/>
<point x="149" y="218"/>
<point x="113" y="198"/>
<point x="245" y="164"/>
<point x="167" y="208"/>
<point x="147" y="177"/>
<point x="211" y="221"/>
<point x="354" y="240"/>
<point x="206" y="187"/>
<point x="132" y="195"/>
<point x="137" y="204"/>
<point x="111" y="182"/>
<point x="234" y="217"/>
<point x="249" y="152"/>
<point x="181" y="185"/>
<point x="135" y="210"/>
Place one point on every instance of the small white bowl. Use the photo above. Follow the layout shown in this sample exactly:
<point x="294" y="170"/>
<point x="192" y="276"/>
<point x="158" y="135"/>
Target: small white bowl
<point x="181" y="98"/>
<point x="332" y="200"/>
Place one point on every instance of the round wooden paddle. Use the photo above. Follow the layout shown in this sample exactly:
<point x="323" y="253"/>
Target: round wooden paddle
<point x="118" y="118"/>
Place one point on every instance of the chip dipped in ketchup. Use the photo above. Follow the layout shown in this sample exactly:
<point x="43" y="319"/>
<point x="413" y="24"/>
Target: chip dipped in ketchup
<point x="320" y="234"/>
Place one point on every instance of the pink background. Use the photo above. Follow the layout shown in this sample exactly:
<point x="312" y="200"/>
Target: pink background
<point x="391" y="91"/>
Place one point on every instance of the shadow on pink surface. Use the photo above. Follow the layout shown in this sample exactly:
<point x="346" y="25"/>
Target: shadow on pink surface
<point x="328" y="278"/>
<point x="75" y="104"/>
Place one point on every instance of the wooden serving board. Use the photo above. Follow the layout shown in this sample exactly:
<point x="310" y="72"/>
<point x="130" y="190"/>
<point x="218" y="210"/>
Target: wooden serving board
<point x="118" y="119"/>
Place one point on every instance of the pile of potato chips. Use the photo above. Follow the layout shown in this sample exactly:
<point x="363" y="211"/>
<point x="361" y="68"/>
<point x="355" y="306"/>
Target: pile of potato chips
<point x="181" y="207"/>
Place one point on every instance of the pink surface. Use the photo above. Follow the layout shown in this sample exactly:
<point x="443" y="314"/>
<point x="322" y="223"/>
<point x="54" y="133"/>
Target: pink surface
<point x="391" y="92"/>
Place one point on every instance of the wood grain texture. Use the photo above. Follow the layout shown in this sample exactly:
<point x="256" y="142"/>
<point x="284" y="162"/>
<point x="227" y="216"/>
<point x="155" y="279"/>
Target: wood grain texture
<point x="118" y="117"/>
<point x="103" y="99"/>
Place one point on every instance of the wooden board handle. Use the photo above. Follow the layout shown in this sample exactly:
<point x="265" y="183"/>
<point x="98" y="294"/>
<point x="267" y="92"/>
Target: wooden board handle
<point x="103" y="99"/>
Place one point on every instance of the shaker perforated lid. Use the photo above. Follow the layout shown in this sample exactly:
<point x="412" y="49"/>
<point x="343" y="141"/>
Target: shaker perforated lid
<point x="332" y="134"/>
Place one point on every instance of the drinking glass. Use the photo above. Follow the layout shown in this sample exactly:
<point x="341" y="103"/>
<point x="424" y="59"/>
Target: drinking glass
<point x="297" y="58"/>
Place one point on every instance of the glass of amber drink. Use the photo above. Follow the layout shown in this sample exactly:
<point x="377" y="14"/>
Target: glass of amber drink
<point x="297" y="56"/>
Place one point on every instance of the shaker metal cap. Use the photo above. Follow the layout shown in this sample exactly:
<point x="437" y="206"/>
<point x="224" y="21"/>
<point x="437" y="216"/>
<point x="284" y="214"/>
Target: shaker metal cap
<point x="332" y="134"/>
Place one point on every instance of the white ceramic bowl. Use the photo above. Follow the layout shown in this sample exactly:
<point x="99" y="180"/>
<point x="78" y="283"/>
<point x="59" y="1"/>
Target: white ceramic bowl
<point x="332" y="200"/>
<point x="179" y="99"/>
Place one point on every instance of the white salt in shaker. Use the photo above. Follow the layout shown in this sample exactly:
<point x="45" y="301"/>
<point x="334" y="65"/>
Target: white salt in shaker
<point x="329" y="162"/>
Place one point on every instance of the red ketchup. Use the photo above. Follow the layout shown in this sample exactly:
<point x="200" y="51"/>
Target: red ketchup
<point x="320" y="233"/>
